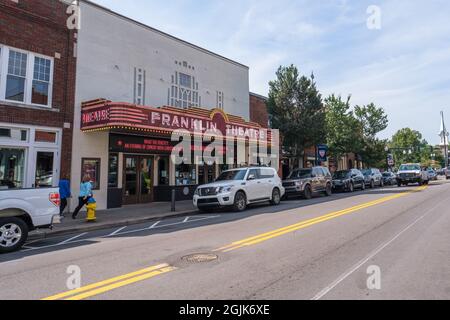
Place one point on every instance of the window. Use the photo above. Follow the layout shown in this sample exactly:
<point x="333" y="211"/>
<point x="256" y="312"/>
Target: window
<point x="12" y="168"/>
<point x="163" y="171"/>
<point x="139" y="86"/>
<point x="267" y="174"/>
<point x="183" y="93"/>
<point x="219" y="100"/>
<point x="91" y="167"/>
<point x="25" y="77"/>
<point x="45" y="136"/>
<point x="113" y="171"/>
<point x="41" y="81"/>
<point x="17" y="72"/>
<point x="185" y="175"/>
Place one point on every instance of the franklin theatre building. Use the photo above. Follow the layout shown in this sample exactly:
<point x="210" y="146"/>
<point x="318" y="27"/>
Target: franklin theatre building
<point x="135" y="85"/>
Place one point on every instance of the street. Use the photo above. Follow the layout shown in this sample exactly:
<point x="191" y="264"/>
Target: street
<point x="324" y="248"/>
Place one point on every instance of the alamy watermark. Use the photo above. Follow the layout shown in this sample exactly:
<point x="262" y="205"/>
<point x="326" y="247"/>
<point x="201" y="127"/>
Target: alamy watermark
<point x="74" y="280"/>
<point x="374" y="19"/>
<point x="374" y="279"/>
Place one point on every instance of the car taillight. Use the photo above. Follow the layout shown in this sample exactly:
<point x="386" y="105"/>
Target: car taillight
<point x="55" y="198"/>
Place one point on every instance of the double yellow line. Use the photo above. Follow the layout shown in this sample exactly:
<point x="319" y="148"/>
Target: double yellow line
<point x="113" y="283"/>
<point x="307" y="223"/>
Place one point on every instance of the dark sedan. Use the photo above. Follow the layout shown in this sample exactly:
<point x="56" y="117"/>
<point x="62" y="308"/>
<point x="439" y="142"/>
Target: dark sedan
<point x="389" y="179"/>
<point x="348" y="180"/>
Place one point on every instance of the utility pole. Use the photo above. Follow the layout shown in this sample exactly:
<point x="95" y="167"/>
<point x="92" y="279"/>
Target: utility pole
<point x="444" y="139"/>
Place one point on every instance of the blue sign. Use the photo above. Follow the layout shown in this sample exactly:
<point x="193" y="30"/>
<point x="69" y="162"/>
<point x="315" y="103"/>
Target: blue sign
<point x="322" y="153"/>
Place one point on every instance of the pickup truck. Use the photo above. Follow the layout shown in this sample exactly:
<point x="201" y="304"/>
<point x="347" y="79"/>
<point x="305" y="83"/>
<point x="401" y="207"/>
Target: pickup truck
<point x="412" y="173"/>
<point x="24" y="210"/>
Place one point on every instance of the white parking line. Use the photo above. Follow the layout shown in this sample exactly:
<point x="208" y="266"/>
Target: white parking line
<point x="345" y="275"/>
<point x="116" y="232"/>
<point x="73" y="238"/>
<point x="186" y="219"/>
<point x="154" y="225"/>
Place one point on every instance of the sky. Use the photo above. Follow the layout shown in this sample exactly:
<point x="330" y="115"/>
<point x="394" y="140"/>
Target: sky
<point x="401" y="62"/>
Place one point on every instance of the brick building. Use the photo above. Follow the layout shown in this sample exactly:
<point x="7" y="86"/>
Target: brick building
<point x="37" y="88"/>
<point x="258" y="110"/>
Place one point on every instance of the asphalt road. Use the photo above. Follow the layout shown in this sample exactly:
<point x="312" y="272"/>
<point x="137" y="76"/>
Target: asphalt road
<point x="390" y="243"/>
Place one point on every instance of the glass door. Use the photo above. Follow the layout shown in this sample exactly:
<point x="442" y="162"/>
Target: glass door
<point x="146" y="180"/>
<point x="130" y="180"/>
<point x="45" y="169"/>
<point x="138" y="179"/>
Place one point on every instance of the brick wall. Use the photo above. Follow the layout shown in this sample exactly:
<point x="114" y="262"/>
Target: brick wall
<point x="258" y="110"/>
<point x="40" y="26"/>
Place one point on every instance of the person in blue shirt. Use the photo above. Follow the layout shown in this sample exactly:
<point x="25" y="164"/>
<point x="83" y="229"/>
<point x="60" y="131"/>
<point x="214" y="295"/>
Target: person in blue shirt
<point x="85" y="195"/>
<point x="64" y="194"/>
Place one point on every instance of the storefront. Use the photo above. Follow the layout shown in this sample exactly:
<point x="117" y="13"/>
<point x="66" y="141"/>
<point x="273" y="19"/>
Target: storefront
<point x="140" y="166"/>
<point x="29" y="156"/>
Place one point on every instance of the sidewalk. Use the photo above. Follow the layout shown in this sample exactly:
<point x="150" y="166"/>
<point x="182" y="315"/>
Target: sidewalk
<point x="111" y="218"/>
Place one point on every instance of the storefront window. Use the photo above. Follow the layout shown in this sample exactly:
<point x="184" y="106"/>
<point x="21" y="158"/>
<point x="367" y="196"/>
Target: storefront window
<point x="91" y="167"/>
<point x="113" y="171"/>
<point x="185" y="175"/>
<point x="163" y="172"/>
<point x="44" y="169"/>
<point x="12" y="168"/>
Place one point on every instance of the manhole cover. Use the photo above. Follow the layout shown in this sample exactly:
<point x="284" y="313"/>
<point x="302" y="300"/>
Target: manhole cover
<point x="200" y="257"/>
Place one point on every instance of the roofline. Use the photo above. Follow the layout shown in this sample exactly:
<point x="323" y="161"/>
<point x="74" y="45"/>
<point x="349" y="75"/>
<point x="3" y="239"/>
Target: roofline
<point x="259" y="96"/>
<point x="163" y="33"/>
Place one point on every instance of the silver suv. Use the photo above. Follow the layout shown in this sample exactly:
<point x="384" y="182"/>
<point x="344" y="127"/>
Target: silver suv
<point x="306" y="182"/>
<point x="238" y="188"/>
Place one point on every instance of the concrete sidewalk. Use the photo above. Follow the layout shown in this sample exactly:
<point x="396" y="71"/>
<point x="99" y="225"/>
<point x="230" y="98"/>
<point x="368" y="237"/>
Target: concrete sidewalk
<point x="127" y="215"/>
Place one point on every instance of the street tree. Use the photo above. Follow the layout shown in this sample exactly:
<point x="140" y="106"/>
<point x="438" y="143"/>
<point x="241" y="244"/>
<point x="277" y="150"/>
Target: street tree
<point x="343" y="130"/>
<point x="295" y="108"/>
<point x="408" y="146"/>
<point x="373" y="120"/>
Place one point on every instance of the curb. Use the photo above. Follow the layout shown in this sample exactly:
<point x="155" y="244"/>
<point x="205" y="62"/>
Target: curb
<point x="94" y="227"/>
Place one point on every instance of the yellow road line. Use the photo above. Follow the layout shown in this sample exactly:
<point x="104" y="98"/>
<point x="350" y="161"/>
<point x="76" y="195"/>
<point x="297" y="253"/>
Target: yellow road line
<point x="96" y="285"/>
<point x="113" y="286"/>
<point x="307" y="223"/>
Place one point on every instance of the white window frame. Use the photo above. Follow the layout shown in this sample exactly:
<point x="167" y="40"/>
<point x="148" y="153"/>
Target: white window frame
<point x="4" y="60"/>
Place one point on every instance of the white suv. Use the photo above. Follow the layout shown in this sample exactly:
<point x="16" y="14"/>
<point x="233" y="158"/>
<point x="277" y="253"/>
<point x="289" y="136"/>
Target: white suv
<point x="238" y="188"/>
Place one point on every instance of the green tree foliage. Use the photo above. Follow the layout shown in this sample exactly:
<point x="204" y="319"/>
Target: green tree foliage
<point x="296" y="109"/>
<point x="343" y="131"/>
<point x="373" y="120"/>
<point x="409" y="147"/>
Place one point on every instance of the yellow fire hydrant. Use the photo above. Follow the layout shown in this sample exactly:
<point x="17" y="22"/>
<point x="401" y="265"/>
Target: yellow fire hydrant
<point x="91" y="208"/>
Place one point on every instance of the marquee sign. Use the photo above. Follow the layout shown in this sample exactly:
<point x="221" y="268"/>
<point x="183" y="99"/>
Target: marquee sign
<point x="104" y="115"/>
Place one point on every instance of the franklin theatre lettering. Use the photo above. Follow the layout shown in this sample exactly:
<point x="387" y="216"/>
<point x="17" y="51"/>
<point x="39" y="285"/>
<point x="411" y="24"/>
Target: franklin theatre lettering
<point x="171" y="121"/>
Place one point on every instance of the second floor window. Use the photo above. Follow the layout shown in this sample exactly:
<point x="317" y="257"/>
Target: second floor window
<point x="25" y="77"/>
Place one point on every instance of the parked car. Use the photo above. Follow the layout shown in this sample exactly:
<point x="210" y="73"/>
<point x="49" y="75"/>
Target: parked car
<point x="412" y="173"/>
<point x="24" y="210"/>
<point x="389" y="179"/>
<point x="373" y="178"/>
<point x="447" y="173"/>
<point x="309" y="181"/>
<point x="238" y="188"/>
<point x="432" y="175"/>
<point x="348" y="180"/>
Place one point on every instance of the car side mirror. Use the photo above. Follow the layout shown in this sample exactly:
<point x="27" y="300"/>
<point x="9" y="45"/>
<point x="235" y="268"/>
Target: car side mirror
<point x="251" y="177"/>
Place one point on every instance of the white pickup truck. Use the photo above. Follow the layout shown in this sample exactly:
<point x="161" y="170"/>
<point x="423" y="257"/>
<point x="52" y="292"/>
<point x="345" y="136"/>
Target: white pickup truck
<point x="24" y="210"/>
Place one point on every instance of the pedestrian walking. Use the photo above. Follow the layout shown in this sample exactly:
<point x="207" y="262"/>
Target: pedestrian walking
<point x="64" y="194"/>
<point x="85" y="195"/>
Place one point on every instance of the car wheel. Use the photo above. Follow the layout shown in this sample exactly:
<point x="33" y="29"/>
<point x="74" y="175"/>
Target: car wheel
<point x="240" y="202"/>
<point x="328" y="190"/>
<point x="307" y="194"/>
<point x="276" y="197"/>
<point x="13" y="234"/>
<point x="351" y="187"/>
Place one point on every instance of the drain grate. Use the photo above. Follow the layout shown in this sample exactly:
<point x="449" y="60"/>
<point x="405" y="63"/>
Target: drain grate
<point x="200" y="257"/>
